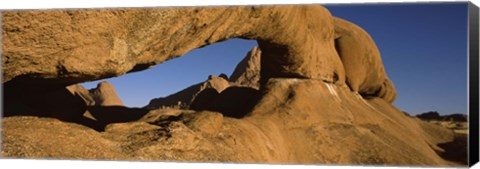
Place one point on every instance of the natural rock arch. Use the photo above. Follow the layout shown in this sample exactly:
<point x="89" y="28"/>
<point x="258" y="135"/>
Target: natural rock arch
<point x="45" y="50"/>
<point x="306" y="110"/>
<point x="364" y="70"/>
<point x="82" y="45"/>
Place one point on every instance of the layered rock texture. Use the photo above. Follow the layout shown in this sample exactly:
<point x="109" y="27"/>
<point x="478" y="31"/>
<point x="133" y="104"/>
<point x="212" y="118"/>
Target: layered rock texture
<point x="323" y="96"/>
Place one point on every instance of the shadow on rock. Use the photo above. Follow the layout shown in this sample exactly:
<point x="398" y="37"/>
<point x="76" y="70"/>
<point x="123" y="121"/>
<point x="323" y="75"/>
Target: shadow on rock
<point x="204" y="99"/>
<point x="456" y="150"/>
<point x="234" y="102"/>
<point x="116" y="114"/>
<point x="57" y="101"/>
<point x="42" y="101"/>
<point x="52" y="101"/>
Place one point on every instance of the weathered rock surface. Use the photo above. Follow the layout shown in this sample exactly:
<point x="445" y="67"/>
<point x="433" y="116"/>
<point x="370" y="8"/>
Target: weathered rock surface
<point x="47" y="138"/>
<point x="105" y="95"/>
<point x="312" y="106"/>
<point x="247" y="72"/>
<point x="62" y="47"/>
<point x="184" y="98"/>
<point x="217" y="83"/>
<point x="297" y="121"/>
<point x="180" y="99"/>
<point x="362" y="62"/>
<point x="80" y="91"/>
<point x="232" y="102"/>
<point x="71" y="46"/>
<point x="205" y="122"/>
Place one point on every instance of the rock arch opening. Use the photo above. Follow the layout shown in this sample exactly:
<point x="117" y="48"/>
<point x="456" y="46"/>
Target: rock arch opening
<point x="168" y="78"/>
<point x="296" y="42"/>
<point x="233" y="88"/>
<point x="305" y="107"/>
<point x="221" y="77"/>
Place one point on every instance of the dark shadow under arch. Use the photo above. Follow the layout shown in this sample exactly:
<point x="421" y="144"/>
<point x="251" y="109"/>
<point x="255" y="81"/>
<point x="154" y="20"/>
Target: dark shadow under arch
<point x="24" y="97"/>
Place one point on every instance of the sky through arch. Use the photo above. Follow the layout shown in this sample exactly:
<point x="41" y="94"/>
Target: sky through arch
<point x="138" y="88"/>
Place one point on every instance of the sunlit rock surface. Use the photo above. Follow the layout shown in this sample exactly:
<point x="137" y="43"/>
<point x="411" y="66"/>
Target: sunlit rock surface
<point x="323" y="95"/>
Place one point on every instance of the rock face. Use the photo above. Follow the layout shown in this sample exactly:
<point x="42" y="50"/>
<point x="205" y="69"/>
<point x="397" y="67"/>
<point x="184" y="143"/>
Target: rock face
<point x="247" y="72"/>
<point x="50" y="138"/>
<point x="323" y="96"/>
<point x="62" y="47"/>
<point x="65" y="103"/>
<point x="217" y="83"/>
<point x="362" y="62"/>
<point x="105" y="95"/>
<point x="297" y="121"/>
<point x="79" y="90"/>
<point x="71" y="46"/>
<point x="232" y="102"/>
<point x="184" y="98"/>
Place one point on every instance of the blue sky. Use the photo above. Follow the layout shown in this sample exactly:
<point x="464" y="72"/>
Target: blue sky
<point x="137" y="89"/>
<point x="423" y="48"/>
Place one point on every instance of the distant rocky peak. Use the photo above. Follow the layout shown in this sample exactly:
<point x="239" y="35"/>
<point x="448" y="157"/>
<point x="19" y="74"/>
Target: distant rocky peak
<point x="218" y="83"/>
<point x="105" y="95"/>
<point x="247" y="72"/>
